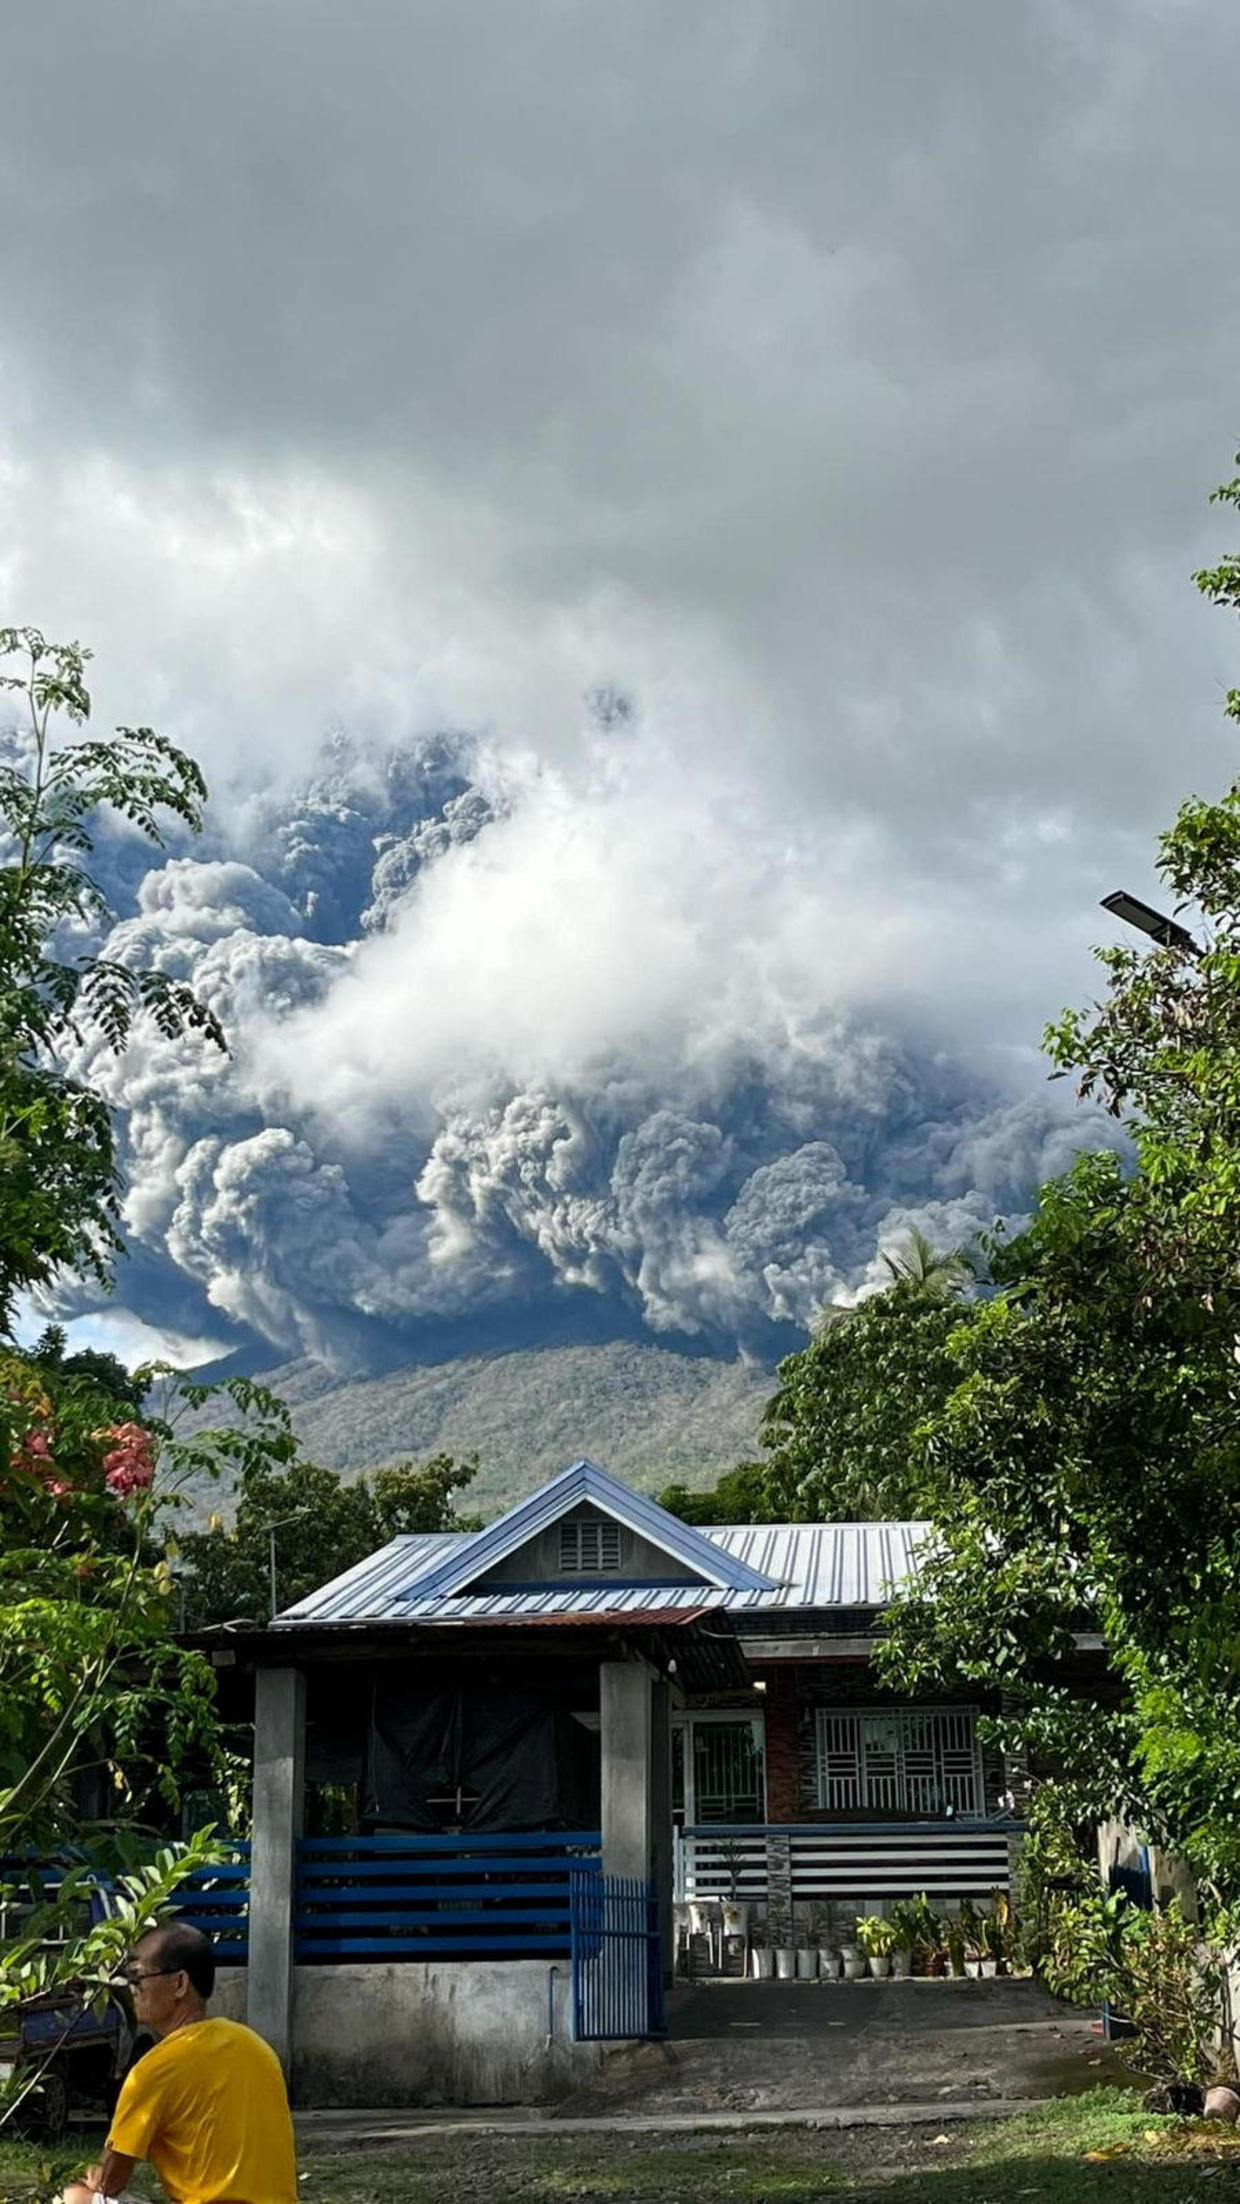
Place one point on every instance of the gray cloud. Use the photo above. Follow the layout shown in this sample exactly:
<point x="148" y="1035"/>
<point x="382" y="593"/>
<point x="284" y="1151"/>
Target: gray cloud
<point x="837" y="387"/>
<point x="713" y="1174"/>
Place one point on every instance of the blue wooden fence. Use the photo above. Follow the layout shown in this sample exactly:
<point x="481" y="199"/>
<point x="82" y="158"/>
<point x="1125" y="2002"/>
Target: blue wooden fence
<point x="432" y="1897"/>
<point x="217" y="1900"/>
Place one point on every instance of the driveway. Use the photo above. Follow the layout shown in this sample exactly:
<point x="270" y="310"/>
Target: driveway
<point x="783" y="2046"/>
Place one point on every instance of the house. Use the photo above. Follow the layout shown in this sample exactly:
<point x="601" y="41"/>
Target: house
<point x="472" y="1745"/>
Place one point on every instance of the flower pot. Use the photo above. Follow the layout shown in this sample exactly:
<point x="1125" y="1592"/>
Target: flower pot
<point x="901" y="1965"/>
<point x="785" y="1963"/>
<point x="1222" y="2103"/>
<point x="807" y="1965"/>
<point x="735" y="1916"/>
<point x="701" y="1916"/>
<point x="973" y="1968"/>
<point x="854" y="1966"/>
<point x="761" y="1963"/>
<point x="880" y="1965"/>
<point x="828" y="1965"/>
<point x="988" y="1969"/>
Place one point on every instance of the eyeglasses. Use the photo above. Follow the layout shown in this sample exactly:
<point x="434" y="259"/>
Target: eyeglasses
<point x="134" y="1975"/>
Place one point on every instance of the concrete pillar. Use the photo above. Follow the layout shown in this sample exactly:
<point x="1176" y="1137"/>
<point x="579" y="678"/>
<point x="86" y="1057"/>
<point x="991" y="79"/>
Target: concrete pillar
<point x="279" y="1792"/>
<point x="627" y="1725"/>
<point x="662" y="1835"/>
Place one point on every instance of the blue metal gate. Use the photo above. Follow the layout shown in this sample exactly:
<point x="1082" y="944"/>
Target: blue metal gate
<point x="617" y="1959"/>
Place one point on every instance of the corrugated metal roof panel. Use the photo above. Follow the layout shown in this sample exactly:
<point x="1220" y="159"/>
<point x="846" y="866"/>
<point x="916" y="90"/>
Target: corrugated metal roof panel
<point x="586" y="1480"/>
<point x="813" y="1566"/>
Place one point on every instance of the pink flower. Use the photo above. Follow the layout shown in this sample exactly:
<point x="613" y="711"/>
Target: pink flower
<point x="129" y="1464"/>
<point x="58" y="1488"/>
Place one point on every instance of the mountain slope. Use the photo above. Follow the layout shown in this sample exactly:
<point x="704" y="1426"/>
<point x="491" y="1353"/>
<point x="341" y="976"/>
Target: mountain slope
<point x="650" y="1415"/>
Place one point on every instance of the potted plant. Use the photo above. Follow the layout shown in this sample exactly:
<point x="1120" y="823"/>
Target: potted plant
<point x="807" y="1954"/>
<point x="735" y="1908"/>
<point x="994" y="1945"/>
<point x="702" y="1916"/>
<point x="877" y="1938"/>
<point x="973" y="1931"/>
<point x="851" y="1956"/>
<point x="955" y="1949"/>
<point x="779" y="1928"/>
<point x="828" y="1956"/>
<point x="761" y="1955"/>
<point x="919" y="1935"/>
<point x="1001" y="1931"/>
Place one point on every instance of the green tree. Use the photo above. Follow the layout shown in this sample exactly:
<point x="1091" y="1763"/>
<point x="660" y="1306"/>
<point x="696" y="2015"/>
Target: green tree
<point x="92" y="1682"/>
<point x="742" y="1495"/>
<point x="107" y="1371"/>
<point x="1086" y="1465"/>
<point x="943" y="1273"/>
<point x="319" y="1524"/>
<point x="58" y="1174"/>
<point x="840" y="1427"/>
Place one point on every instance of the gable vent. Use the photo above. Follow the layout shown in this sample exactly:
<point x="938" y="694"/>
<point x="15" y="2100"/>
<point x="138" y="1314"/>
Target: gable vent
<point x="589" y="1549"/>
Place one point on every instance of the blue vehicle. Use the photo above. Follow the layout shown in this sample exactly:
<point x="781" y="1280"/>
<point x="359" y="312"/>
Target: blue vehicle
<point x="75" y="2055"/>
<point x="74" y="2047"/>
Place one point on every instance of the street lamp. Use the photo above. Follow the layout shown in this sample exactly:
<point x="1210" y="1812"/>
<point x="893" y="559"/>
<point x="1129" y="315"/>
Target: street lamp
<point x="1167" y="932"/>
<point x="271" y="1529"/>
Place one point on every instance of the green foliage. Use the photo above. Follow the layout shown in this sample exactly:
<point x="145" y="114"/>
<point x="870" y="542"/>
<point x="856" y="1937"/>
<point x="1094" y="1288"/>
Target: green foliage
<point x="742" y="1495"/>
<point x="841" y="1427"/>
<point x="1084" y="1470"/>
<point x="877" y="1936"/>
<point x="104" y="1370"/>
<point x="1149" y="1968"/>
<point x="88" y="1677"/>
<point x="58" y="1185"/>
<point x="51" y="1960"/>
<point x="918" y="1927"/>
<point x="320" y="1525"/>
<point x="93" y="1686"/>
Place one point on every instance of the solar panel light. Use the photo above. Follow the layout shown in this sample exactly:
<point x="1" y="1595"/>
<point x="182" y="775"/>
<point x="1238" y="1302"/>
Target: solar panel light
<point x="1167" y="932"/>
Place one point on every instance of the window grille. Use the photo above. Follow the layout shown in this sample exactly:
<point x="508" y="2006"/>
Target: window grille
<point x="903" y="1760"/>
<point x="589" y="1549"/>
<point x="727" y="1772"/>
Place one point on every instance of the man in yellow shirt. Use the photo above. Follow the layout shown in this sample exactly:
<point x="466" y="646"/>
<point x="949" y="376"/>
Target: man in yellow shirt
<point x="207" y="2105"/>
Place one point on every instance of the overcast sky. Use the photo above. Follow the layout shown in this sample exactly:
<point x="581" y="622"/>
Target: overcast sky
<point x="841" y="379"/>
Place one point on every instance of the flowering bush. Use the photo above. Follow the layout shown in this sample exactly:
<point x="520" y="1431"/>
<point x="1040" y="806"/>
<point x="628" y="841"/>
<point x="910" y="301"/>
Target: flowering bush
<point x="129" y="1464"/>
<point x="92" y="1678"/>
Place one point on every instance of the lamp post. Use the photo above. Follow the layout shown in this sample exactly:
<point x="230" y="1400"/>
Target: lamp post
<point x="271" y="1529"/>
<point x="1167" y="932"/>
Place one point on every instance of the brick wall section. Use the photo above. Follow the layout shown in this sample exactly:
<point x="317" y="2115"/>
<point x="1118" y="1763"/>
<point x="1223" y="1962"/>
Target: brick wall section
<point x="783" y="1782"/>
<point x="794" y="1692"/>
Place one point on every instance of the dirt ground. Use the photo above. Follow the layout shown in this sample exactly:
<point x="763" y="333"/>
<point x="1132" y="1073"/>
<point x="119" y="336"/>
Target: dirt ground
<point x="757" y="2047"/>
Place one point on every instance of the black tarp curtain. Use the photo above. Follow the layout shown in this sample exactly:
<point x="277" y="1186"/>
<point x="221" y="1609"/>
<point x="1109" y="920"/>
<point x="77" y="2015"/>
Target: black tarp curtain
<point x="479" y="1756"/>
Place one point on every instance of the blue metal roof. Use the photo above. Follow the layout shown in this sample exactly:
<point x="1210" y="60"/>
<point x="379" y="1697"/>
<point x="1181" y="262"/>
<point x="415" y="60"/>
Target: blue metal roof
<point x="808" y="1567"/>
<point x="584" y="1480"/>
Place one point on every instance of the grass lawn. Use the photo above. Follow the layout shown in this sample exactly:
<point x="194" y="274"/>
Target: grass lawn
<point x="1097" y="2147"/>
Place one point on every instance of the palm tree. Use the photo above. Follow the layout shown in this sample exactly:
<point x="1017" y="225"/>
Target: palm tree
<point x="941" y="1272"/>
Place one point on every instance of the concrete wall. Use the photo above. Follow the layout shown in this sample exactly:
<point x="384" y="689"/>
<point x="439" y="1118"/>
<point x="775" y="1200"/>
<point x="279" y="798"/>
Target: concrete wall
<point x="462" y="2032"/>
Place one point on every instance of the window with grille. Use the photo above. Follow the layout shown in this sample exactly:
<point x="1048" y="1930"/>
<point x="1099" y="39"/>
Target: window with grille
<point x="717" y="1769"/>
<point x="589" y="1549"/>
<point x="903" y="1760"/>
